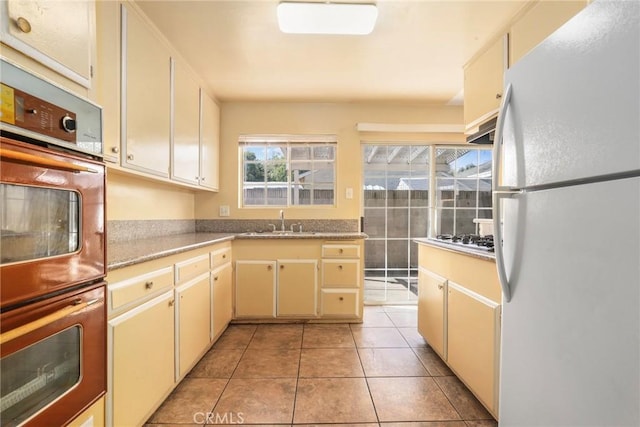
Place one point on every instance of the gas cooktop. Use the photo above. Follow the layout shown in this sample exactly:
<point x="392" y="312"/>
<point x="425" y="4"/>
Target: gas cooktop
<point x="474" y="240"/>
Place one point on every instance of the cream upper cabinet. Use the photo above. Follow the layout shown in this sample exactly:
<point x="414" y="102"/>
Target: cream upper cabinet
<point x="431" y="310"/>
<point x="473" y="342"/>
<point x="58" y="34"/>
<point x="483" y="81"/>
<point x="209" y="142"/>
<point x="193" y="314"/>
<point x="537" y="23"/>
<point x="297" y="287"/>
<point x="185" y="147"/>
<point x="146" y="64"/>
<point x="255" y="289"/>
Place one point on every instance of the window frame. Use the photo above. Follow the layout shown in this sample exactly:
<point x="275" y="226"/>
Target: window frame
<point x="288" y="142"/>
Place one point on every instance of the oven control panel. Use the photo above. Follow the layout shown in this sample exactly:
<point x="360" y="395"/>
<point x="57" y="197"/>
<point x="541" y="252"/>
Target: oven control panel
<point x="34" y="108"/>
<point x="36" y="115"/>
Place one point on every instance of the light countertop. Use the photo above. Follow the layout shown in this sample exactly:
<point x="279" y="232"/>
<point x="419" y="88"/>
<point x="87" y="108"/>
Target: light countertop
<point x="470" y="250"/>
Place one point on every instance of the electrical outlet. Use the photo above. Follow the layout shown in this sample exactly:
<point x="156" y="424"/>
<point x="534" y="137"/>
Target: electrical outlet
<point x="349" y="193"/>
<point x="224" y="210"/>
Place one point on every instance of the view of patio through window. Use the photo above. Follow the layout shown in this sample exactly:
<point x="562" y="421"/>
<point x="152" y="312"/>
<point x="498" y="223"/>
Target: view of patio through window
<point x="412" y="191"/>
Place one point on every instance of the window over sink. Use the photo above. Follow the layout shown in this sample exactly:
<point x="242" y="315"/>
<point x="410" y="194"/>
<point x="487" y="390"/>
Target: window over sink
<point x="288" y="170"/>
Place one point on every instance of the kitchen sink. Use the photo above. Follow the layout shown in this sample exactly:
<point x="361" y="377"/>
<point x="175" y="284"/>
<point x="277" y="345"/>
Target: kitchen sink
<point x="279" y="233"/>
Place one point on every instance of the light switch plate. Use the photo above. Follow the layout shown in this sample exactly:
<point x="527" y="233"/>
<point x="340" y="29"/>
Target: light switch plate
<point x="224" y="210"/>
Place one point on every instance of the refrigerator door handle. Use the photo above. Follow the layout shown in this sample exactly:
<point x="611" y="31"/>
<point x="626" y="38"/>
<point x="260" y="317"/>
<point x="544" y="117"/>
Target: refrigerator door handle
<point x="499" y="193"/>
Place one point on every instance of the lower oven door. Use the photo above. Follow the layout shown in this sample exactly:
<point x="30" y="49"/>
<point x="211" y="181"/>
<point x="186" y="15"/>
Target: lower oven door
<point x="53" y="358"/>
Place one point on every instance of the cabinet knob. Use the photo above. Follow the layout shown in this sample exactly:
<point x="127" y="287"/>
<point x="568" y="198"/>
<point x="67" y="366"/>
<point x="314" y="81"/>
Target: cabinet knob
<point x="498" y="95"/>
<point x="282" y="267"/>
<point x="172" y="302"/>
<point x="341" y="250"/>
<point x="148" y="285"/>
<point x="269" y="267"/>
<point x="341" y="298"/>
<point x="129" y="156"/>
<point x="202" y="178"/>
<point x="440" y="286"/>
<point x="224" y="256"/>
<point x="23" y="25"/>
<point x="339" y="267"/>
<point x="215" y="279"/>
<point x="115" y="150"/>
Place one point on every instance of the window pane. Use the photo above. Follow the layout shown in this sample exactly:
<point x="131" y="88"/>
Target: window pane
<point x="374" y="188"/>
<point x="324" y="152"/>
<point x="466" y="193"/>
<point x="254" y="196"/>
<point x="467" y="163"/>
<point x="277" y="172"/>
<point x="301" y="195"/>
<point x="324" y="172"/>
<point x="419" y="222"/>
<point x="398" y="223"/>
<point x="252" y="152"/>
<point x="464" y="221"/>
<point x="323" y="196"/>
<point x="444" y="221"/>
<point x="276" y="153"/>
<point x="277" y="195"/>
<point x="253" y="172"/>
<point x="445" y="193"/>
<point x="375" y="223"/>
<point x="397" y="254"/>
<point x="374" y="254"/>
<point x="300" y="153"/>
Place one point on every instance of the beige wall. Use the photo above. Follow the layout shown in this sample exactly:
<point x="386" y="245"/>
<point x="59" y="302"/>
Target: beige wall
<point x="133" y="198"/>
<point x="314" y="118"/>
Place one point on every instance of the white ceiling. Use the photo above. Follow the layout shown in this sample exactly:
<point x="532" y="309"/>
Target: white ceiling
<point x="414" y="55"/>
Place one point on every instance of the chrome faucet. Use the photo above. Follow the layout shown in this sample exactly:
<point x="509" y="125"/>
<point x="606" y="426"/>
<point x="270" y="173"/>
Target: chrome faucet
<point x="282" y="220"/>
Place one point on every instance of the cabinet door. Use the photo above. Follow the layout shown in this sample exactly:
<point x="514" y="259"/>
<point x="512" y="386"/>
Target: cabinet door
<point x="141" y="369"/>
<point x="473" y="342"/>
<point x="431" y="310"/>
<point x="297" y="287"/>
<point x="209" y="142"/>
<point x="146" y="99"/>
<point x="222" y="299"/>
<point x="483" y="79"/>
<point x="193" y="310"/>
<point x="185" y="147"/>
<point x="255" y="288"/>
<point x="538" y="23"/>
<point x="57" y="34"/>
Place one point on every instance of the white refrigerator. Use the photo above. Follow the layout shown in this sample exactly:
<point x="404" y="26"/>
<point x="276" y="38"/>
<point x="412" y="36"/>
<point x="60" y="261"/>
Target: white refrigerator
<point x="567" y="225"/>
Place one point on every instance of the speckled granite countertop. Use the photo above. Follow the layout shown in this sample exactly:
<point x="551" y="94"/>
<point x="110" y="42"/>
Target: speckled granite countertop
<point x="460" y="248"/>
<point x="126" y="253"/>
<point x="302" y="235"/>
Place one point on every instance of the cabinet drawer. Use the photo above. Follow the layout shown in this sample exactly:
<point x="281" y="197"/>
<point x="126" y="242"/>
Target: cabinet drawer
<point x="338" y="302"/>
<point x="136" y="288"/>
<point x="191" y="268"/>
<point x="340" y="251"/>
<point x="340" y="273"/>
<point x="220" y="256"/>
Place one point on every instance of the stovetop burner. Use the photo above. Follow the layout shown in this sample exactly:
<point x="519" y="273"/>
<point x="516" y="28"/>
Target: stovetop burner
<point x="469" y="239"/>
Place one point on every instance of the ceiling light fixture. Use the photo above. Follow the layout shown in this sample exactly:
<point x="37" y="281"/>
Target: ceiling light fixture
<point x="327" y="18"/>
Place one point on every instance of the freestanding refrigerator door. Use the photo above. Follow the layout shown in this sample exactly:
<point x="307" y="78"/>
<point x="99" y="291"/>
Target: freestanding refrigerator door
<point x="570" y="352"/>
<point x="575" y="106"/>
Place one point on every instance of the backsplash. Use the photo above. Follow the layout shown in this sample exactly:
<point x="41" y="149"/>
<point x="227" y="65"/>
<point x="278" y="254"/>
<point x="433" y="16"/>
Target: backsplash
<point x="120" y="231"/>
<point x="244" y="225"/>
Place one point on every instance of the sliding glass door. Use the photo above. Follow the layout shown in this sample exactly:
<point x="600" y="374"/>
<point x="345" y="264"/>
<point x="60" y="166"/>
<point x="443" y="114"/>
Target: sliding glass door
<point x="396" y="210"/>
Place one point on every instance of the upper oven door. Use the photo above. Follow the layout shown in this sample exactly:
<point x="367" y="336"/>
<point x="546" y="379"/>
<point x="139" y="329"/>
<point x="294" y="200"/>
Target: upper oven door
<point x="52" y="232"/>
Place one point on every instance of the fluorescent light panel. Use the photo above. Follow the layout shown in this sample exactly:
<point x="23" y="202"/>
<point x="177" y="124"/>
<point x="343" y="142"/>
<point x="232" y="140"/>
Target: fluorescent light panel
<point x="327" y="18"/>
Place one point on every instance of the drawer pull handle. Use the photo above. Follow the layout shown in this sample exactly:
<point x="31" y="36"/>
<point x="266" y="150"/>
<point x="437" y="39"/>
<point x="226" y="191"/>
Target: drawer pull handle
<point x="341" y="298"/>
<point x="148" y="285"/>
<point x="224" y="256"/>
<point x="341" y="251"/>
<point x="340" y="267"/>
<point x="23" y="25"/>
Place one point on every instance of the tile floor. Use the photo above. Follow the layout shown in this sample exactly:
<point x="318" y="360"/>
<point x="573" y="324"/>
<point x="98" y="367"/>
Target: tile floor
<point x="380" y="372"/>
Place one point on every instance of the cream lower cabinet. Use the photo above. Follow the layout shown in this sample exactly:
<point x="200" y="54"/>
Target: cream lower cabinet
<point x="222" y="284"/>
<point x="473" y="341"/>
<point x="341" y="294"/>
<point x="297" y="288"/>
<point x="255" y="289"/>
<point x="141" y="360"/>
<point x="193" y="326"/>
<point x="459" y="316"/>
<point x="432" y="303"/>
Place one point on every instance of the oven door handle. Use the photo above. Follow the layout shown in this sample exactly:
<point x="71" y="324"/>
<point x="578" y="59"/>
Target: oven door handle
<point x="76" y="306"/>
<point x="42" y="161"/>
